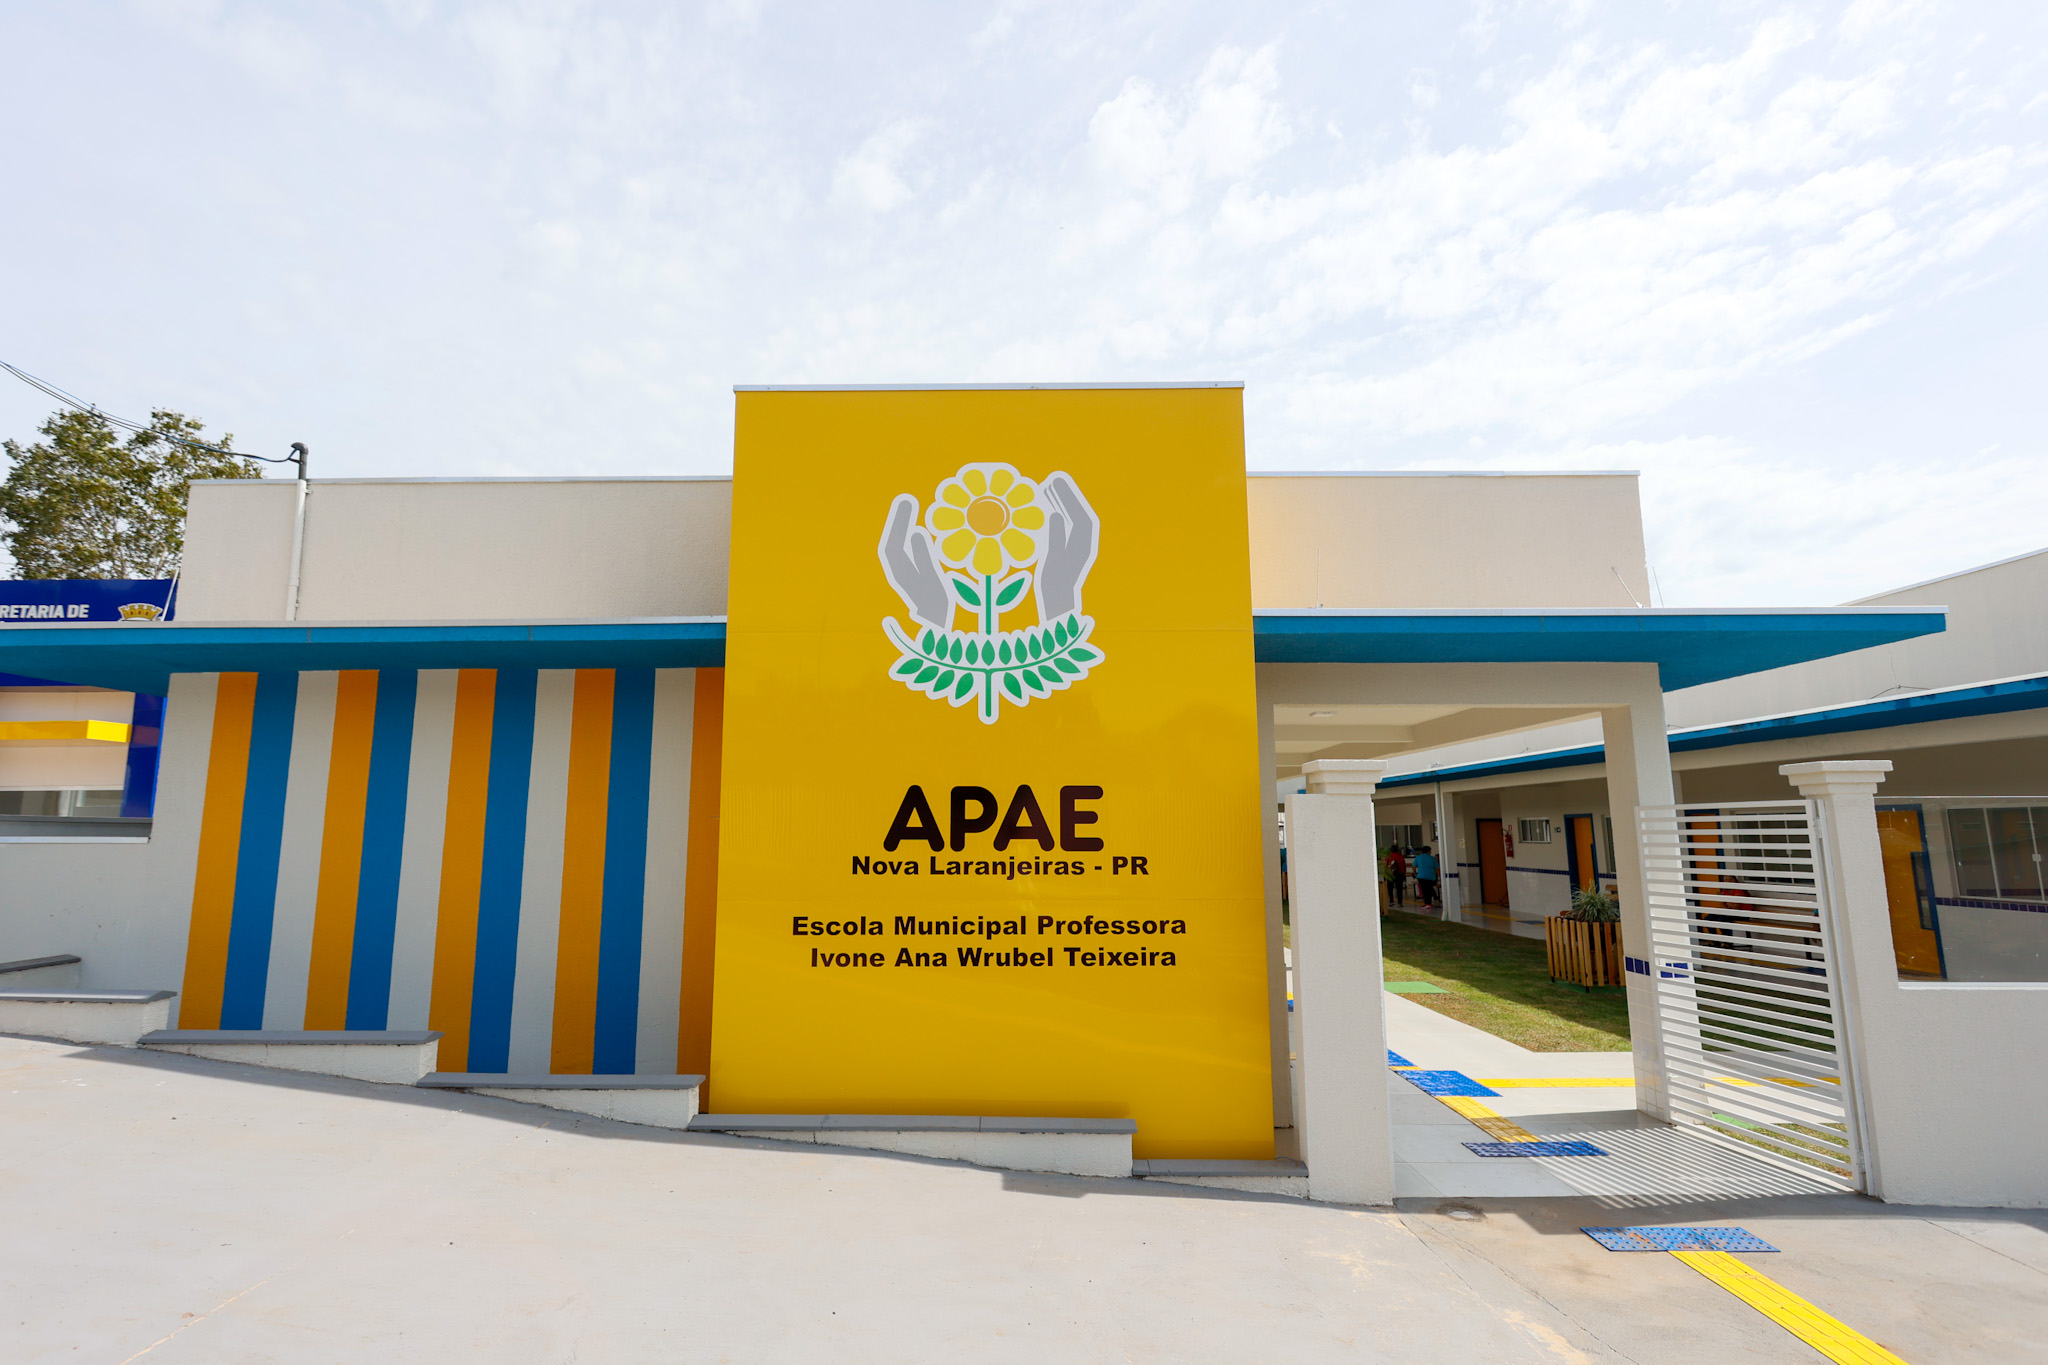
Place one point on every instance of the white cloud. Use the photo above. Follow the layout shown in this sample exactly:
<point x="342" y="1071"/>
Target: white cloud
<point x="548" y="235"/>
<point x="871" y="175"/>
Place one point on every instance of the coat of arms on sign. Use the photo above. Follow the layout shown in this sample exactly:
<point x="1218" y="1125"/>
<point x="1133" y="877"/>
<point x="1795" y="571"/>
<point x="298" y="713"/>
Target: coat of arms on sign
<point x="990" y="541"/>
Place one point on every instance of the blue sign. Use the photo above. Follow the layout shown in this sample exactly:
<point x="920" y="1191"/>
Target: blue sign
<point x="51" y="600"/>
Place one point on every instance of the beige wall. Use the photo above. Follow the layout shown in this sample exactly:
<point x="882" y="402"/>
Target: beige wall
<point x="76" y="764"/>
<point x="533" y="549"/>
<point x="1449" y="540"/>
<point x="460" y="550"/>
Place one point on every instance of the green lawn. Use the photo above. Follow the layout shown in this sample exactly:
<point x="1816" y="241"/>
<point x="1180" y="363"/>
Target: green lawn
<point x="1501" y="984"/>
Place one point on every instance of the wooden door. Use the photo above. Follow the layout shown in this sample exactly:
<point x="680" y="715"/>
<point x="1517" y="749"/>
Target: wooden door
<point x="1585" y="863"/>
<point x="1907" y="888"/>
<point x="1493" y="863"/>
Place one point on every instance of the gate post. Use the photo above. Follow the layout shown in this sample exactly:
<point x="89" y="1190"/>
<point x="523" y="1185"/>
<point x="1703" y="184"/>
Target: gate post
<point x="1853" y="864"/>
<point x="1638" y="775"/>
<point x="1345" y="1121"/>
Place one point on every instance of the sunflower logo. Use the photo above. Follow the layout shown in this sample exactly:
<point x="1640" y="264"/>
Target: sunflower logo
<point x="987" y="518"/>
<point x="989" y="539"/>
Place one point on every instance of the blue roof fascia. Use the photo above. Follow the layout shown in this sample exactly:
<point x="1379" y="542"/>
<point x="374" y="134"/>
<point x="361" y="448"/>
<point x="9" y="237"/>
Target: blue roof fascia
<point x="1980" y="699"/>
<point x="141" y="657"/>
<point x="1689" y="646"/>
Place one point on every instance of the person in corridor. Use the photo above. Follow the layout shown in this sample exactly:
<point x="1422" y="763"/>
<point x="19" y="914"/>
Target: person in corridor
<point x="1426" y="879"/>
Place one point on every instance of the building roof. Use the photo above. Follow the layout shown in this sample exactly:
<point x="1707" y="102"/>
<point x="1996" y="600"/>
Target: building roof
<point x="1689" y="646"/>
<point x="1947" y="703"/>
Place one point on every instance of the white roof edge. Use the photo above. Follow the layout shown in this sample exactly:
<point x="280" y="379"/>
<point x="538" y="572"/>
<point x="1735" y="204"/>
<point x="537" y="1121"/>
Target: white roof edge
<point x="1595" y="611"/>
<point x="491" y="478"/>
<point x="1442" y="473"/>
<point x="968" y="388"/>
<point x="1943" y="578"/>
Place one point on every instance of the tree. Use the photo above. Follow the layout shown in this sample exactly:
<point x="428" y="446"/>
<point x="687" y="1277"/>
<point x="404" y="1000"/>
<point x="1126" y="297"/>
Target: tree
<point x="83" y="504"/>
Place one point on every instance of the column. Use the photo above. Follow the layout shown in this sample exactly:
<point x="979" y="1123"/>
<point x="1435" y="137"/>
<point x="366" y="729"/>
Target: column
<point x="1449" y="855"/>
<point x="1346" y="1126"/>
<point x="1865" y="964"/>
<point x="1638" y="774"/>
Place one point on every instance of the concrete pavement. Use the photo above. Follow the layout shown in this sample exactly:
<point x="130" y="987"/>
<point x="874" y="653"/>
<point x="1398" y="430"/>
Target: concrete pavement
<point x="166" y="1209"/>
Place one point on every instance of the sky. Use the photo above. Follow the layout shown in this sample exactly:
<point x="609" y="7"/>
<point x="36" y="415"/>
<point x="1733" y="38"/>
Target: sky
<point x="1787" y="260"/>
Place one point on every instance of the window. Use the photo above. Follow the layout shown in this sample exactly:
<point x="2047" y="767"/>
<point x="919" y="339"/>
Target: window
<point x="1533" y="831"/>
<point x="1995" y="851"/>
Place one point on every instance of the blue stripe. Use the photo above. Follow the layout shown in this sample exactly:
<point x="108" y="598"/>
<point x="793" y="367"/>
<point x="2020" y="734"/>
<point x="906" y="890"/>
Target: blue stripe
<point x="504" y="870"/>
<point x="369" y="973"/>
<point x="625" y="874"/>
<point x="270" y="765"/>
<point x="145" y="743"/>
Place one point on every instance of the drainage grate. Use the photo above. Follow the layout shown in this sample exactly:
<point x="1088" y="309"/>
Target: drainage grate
<point x="1566" y="1147"/>
<point x="1677" y="1239"/>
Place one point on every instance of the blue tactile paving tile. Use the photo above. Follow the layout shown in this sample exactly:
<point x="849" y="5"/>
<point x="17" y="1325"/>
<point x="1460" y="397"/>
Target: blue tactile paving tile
<point x="1677" y="1239"/>
<point x="1446" y="1083"/>
<point x="1396" y="1059"/>
<point x="1570" y="1147"/>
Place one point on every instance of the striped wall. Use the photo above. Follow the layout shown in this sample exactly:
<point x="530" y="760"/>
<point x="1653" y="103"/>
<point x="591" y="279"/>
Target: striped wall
<point x="510" y="856"/>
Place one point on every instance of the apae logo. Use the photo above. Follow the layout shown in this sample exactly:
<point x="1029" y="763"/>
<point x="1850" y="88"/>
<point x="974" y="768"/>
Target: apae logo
<point x="990" y="539"/>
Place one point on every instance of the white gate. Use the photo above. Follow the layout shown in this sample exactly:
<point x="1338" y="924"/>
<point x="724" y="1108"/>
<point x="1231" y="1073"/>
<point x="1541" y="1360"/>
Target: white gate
<point x="1749" y="1006"/>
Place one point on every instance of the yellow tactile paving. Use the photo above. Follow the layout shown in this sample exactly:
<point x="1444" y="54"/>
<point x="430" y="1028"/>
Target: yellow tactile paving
<point x="1831" y="1337"/>
<point x="1496" y="1126"/>
<point x="1552" y="1082"/>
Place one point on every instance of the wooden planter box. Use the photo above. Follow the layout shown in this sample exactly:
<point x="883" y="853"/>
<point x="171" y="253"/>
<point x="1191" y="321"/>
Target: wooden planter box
<point x="1582" y="952"/>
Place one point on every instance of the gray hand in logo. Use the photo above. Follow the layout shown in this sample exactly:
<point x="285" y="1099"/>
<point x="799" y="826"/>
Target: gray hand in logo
<point x="1069" y="548"/>
<point x="911" y="567"/>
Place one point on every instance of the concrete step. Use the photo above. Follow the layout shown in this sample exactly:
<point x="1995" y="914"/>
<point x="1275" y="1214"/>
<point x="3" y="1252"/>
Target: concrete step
<point x="1253" y="1177"/>
<point x="657" y="1101"/>
<point x="55" y="973"/>
<point x="1057" y="1145"/>
<point x="116" y="1017"/>
<point x="397" y="1058"/>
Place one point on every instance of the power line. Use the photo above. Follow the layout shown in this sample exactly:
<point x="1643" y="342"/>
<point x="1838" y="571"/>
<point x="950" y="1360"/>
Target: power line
<point x="69" y="400"/>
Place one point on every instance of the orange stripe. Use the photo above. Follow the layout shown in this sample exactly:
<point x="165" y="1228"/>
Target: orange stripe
<point x="341" y="850"/>
<point x="462" y="865"/>
<point x="700" y="880"/>
<point x="590" y="767"/>
<point x="220" y="848"/>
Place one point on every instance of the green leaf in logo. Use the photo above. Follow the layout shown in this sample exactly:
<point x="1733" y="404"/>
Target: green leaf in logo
<point x="1066" y="667"/>
<point x="908" y="667"/>
<point x="1036" y="652"/>
<point x="931" y="671"/>
<point x="964" y="686"/>
<point x="1003" y="651"/>
<point x="1080" y="655"/>
<point x="926" y="643"/>
<point x="954" y="653"/>
<point x="1012" y="686"/>
<point x="942" y="682"/>
<point x="1010" y="591"/>
<point x="965" y="591"/>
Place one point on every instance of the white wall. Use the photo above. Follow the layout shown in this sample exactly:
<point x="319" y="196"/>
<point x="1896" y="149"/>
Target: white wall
<point x="123" y="907"/>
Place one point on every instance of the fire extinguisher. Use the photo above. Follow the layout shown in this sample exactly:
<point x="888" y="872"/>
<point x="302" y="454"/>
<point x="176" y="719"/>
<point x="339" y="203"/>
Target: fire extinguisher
<point x="1507" y="836"/>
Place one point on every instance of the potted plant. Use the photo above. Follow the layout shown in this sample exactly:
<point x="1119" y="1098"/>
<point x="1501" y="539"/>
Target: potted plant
<point x="1584" y="942"/>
